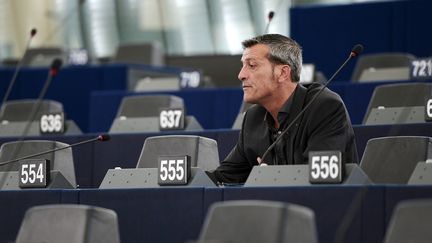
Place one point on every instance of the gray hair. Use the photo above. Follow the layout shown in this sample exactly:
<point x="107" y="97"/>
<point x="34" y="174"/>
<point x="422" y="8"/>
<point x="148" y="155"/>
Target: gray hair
<point x="283" y="50"/>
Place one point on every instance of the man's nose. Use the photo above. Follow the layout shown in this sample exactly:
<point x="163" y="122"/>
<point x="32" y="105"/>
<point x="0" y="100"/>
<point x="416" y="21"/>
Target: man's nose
<point x="242" y="75"/>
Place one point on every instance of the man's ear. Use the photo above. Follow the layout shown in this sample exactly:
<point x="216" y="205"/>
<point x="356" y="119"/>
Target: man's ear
<point x="285" y="73"/>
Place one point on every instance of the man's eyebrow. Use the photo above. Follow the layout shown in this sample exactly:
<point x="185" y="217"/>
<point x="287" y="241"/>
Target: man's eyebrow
<point x="248" y="59"/>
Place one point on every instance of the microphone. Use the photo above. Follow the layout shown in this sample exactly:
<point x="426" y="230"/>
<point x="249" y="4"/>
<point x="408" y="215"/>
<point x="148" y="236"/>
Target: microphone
<point x="355" y="51"/>
<point x="102" y="138"/>
<point x="55" y="66"/>
<point x="18" y="67"/>
<point x="270" y="18"/>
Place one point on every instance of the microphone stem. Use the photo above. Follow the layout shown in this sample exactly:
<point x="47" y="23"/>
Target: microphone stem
<point x="47" y="152"/>
<point x="37" y="105"/>
<point x="304" y="109"/>
<point x="337" y="71"/>
<point x="15" y="75"/>
<point x="33" y="114"/>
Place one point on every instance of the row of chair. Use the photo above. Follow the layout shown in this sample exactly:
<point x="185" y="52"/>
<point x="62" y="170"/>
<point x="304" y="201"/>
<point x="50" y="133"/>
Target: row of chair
<point x="390" y="104"/>
<point x="230" y="221"/>
<point x="369" y="67"/>
<point x="135" y="114"/>
<point x="401" y="103"/>
<point x="147" y="53"/>
<point x="402" y="156"/>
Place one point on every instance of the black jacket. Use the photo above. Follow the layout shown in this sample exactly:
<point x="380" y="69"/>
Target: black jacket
<point x="325" y="125"/>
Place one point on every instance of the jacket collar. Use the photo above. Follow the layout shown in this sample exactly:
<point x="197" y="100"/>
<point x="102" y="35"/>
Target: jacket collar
<point x="297" y="104"/>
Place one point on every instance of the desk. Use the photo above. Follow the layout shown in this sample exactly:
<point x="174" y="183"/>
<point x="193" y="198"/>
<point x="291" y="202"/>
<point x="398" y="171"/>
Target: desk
<point x="73" y="84"/>
<point x="176" y="214"/>
<point x="92" y="161"/>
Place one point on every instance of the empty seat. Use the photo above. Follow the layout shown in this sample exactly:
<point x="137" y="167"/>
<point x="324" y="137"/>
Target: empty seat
<point x="258" y="221"/>
<point x="410" y="96"/>
<point x="141" y="113"/>
<point x="203" y="151"/>
<point x="69" y="223"/>
<point x="211" y="67"/>
<point x="410" y="222"/>
<point x="147" y="105"/>
<point x="382" y="66"/>
<point x="150" y="53"/>
<point x="43" y="56"/>
<point x="60" y="160"/>
<point x="15" y="115"/>
<point x="393" y="159"/>
<point x="19" y="110"/>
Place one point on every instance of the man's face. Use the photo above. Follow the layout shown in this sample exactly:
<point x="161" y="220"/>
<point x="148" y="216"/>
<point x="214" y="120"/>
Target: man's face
<point x="257" y="75"/>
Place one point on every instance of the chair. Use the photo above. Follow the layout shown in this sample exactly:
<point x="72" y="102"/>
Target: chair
<point x="147" y="105"/>
<point x="258" y="221"/>
<point x="61" y="161"/>
<point x="150" y="53"/>
<point x="203" y="151"/>
<point x="14" y="116"/>
<point x="410" y="222"/>
<point x="141" y="113"/>
<point x="19" y="110"/>
<point x="393" y="159"/>
<point x="69" y="223"/>
<point x="43" y="56"/>
<point x="394" y="96"/>
<point x="239" y="119"/>
<point x="210" y="67"/>
<point x="203" y="154"/>
<point x="382" y="66"/>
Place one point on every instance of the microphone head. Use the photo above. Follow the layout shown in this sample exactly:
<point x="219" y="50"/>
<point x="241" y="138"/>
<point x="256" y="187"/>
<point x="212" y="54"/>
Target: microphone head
<point x="55" y="66"/>
<point x="33" y="32"/>
<point x="103" y="137"/>
<point x="271" y="15"/>
<point x="357" y="50"/>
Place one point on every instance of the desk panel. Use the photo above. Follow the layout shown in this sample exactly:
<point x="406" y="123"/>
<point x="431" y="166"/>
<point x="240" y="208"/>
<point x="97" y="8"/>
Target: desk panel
<point x="153" y="215"/>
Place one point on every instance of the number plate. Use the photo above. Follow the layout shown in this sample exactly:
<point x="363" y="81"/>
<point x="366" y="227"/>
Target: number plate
<point x="190" y="79"/>
<point x="421" y="68"/>
<point x="52" y="123"/>
<point x="34" y="173"/>
<point x="428" y="109"/>
<point x="171" y="119"/>
<point x="325" y="167"/>
<point x="173" y="170"/>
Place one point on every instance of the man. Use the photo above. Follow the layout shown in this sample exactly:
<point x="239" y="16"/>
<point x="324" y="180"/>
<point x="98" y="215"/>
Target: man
<point x="270" y="75"/>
